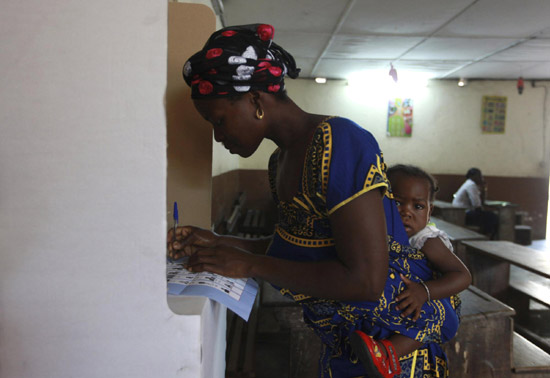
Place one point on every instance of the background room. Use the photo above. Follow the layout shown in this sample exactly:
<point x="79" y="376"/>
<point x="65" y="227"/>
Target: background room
<point x="432" y="46"/>
<point x="91" y="160"/>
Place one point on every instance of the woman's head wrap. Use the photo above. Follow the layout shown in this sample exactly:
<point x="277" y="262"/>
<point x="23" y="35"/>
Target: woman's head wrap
<point x="239" y="59"/>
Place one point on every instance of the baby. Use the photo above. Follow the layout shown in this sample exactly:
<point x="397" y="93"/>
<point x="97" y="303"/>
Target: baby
<point x="414" y="192"/>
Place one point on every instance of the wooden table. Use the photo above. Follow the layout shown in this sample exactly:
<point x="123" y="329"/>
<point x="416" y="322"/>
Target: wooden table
<point x="457" y="234"/>
<point x="482" y="345"/>
<point x="506" y="218"/>
<point x="489" y="262"/>
<point x="450" y="213"/>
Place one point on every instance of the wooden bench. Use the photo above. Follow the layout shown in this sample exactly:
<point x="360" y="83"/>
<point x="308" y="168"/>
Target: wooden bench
<point x="530" y="285"/>
<point x="528" y="360"/>
<point x="281" y="315"/>
<point x="449" y="213"/>
<point x="524" y="287"/>
<point x="481" y="348"/>
<point x="506" y="218"/>
<point x="514" y="274"/>
<point x="489" y="262"/>
<point x="254" y="224"/>
<point x="482" y="345"/>
<point x="457" y="234"/>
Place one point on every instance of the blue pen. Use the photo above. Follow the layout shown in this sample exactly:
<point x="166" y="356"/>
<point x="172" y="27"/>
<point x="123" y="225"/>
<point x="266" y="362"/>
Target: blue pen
<point x="176" y="218"/>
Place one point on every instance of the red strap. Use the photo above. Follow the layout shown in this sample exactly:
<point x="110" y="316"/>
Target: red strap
<point x="393" y="359"/>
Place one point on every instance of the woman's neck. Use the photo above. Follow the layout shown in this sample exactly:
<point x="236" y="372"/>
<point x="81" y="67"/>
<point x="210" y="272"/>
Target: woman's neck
<point x="293" y="128"/>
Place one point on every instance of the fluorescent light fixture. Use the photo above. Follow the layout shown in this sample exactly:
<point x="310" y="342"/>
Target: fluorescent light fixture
<point x="320" y="80"/>
<point x="411" y="83"/>
<point x="377" y="78"/>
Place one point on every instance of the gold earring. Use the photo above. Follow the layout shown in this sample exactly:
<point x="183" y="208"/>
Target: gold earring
<point x="259" y="113"/>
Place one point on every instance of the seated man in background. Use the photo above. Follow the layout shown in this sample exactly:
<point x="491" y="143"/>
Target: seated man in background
<point x="471" y="195"/>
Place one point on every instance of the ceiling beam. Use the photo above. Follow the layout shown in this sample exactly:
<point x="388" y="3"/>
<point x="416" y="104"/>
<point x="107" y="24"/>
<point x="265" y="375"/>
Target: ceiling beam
<point x="341" y="20"/>
<point x="436" y="30"/>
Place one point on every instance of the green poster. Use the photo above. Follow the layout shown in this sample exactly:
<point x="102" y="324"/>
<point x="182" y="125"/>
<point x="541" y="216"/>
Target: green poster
<point x="400" y="117"/>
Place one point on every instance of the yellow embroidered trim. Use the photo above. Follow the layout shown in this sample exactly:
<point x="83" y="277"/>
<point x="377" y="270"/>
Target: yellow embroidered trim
<point x="312" y="206"/>
<point x="323" y="322"/>
<point x="440" y="364"/>
<point x="296" y="297"/>
<point x="327" y="154"/>
<point x="422" y="352"/>
<point x="367" y="186"/>
<point x="355" y="196"/>
<point x="303" y="242"/>
<point x="414" y="363"/>
<point x="301" y="203"/>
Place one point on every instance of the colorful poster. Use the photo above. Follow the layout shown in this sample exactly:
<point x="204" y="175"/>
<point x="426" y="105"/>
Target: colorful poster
<point x="493" y="114"/>
<point x="400" y="117"/>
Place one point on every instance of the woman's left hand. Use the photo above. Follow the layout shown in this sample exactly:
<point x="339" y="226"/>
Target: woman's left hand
<point x="411" y="299"/>
<point x="224" y="260"/>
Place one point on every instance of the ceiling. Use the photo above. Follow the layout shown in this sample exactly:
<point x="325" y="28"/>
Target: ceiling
<point x="445" y="39"/>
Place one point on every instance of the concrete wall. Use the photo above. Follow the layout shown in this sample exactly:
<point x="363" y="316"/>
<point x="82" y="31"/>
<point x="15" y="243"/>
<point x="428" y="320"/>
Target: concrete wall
<point x="83" y="194"/>
<point x="446" y="140"/>
<point x="446" y="135"/>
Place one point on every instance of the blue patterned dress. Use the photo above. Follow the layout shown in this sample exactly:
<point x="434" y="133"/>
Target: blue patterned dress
<point x="342" y="162"/>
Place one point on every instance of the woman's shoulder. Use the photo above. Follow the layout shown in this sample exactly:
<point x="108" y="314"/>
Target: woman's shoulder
<point x="347" y="135"/>
<point x="347" y="130"/>
<point x="345" y="124"/>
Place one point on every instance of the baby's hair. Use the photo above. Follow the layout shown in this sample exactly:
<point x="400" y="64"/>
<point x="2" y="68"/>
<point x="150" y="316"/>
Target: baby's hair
<point x="413" y="171"/>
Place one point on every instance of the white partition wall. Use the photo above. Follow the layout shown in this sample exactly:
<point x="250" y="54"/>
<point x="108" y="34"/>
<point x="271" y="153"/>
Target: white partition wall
<point x="83" y="194"/>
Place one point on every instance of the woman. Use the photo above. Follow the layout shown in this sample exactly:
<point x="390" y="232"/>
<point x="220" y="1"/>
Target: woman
<point x="337" y="221"/>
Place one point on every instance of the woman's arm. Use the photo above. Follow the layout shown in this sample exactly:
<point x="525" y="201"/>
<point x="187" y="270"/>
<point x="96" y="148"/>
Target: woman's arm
<point x="357" y="274"/>
<point x="189" y="238"/>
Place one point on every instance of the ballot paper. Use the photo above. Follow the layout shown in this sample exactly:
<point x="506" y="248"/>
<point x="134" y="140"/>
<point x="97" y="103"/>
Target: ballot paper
<point x="238" y="294"/>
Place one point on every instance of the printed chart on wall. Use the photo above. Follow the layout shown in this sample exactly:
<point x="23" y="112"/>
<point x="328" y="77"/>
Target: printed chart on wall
<point x="236" y="293"/>
<point x="493" y="114"/>
<point x="400" y="117"/>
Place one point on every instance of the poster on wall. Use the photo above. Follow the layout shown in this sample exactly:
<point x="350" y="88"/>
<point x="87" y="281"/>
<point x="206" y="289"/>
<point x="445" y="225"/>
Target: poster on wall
<point x="493" y="114"/>
<point x="400" y="117"/>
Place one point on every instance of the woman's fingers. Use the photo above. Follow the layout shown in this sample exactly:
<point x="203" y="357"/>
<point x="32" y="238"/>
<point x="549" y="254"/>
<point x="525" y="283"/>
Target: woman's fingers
<point x="183" y="233"/>
<point x="181" y="243"/>
<point x="170" y="234"/>
<point x="202" y="256"/>
<point x="225" y="261"/>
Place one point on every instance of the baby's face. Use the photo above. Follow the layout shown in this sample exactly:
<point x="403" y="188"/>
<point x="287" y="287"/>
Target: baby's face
<point x="412" y="196"/>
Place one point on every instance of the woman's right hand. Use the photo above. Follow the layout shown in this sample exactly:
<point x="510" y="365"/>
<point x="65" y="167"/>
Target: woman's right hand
<point x="188" y="240"/>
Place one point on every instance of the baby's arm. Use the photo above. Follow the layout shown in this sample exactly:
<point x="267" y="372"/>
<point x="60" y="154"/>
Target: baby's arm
<point x="455" y="277"/>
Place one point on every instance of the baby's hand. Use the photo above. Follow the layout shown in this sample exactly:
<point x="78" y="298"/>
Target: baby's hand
<point x="411" y="299"/>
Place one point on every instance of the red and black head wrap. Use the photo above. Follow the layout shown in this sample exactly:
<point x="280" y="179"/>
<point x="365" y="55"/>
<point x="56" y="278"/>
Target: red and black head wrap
<point x="239" y="59"/>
